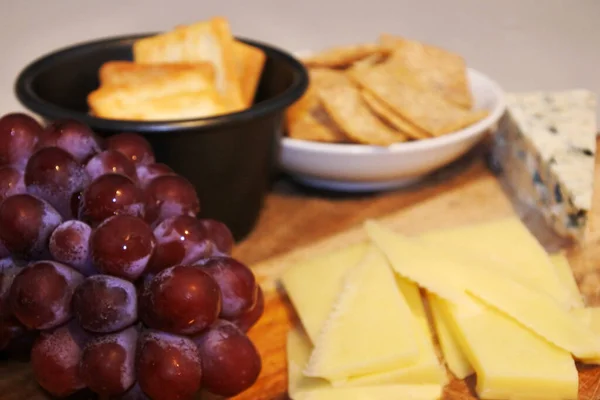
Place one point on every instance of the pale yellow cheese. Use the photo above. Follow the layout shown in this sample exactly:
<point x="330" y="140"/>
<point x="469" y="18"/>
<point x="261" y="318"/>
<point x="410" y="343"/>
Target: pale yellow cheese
<point x="356" y="339"/>
<point x="313" y="285"/>
<point x="301" y="387"/>
<point x="455" y="358"/>
<point x="565" y="275"/>
<point x="427" y="369"/>
<point x="448" y="277"/>
<point x="508" y="245"/>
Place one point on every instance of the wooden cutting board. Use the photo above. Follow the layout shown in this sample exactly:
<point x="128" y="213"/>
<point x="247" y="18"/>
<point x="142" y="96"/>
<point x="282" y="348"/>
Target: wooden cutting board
<point x="482" y="199"/>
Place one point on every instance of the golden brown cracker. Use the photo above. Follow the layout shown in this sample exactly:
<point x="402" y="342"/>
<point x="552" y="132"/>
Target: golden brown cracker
<point x="382" y="110"/>
<point x="426" y="110"/>
<point x="129" y="73"/>
<point x="316" y="126"/>
<point x="344" y="56"/>
<point x="208" y="41"/>
<point x="347" y="109"/>
<point x="434" y="68"/>
<point x="251" y="61"/>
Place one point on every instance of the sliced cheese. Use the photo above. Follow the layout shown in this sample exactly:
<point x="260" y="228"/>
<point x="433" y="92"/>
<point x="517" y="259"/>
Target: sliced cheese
<point x="427" y="369"/>
<point x="493" y="244"/>
<point x="313" y="286"/>
<point x="564" y="272"/>
<point x="454" y="355"/>
<point x="370" y="328"/>
<point x="537" y="311"/>
<point x="301" y="387"/>
<point x="511" y="361"/>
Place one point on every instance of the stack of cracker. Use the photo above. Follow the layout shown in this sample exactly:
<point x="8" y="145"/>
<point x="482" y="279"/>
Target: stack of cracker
<point x="392" y="91"/>
<point x="193" y="71"/>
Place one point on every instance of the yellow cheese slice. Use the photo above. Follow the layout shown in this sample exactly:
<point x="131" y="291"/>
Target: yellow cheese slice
<point x="493" y="244"/>
<point x="455" y="358"/>
<point x="565" y="274"/>
<point x="301" y="387"/>
<point x="427" y="369"/>
<point x="511" y="361"/>
<point x="370" y="329"/>
<point x="534" y="310"/>
<point x="313" y="285"/>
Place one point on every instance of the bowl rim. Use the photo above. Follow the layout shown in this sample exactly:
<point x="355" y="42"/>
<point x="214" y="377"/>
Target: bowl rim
<point x="418" y="145"/>
<point x="27" y="96"/>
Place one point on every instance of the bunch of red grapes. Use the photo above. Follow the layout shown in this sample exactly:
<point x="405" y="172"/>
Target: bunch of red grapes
<point x="128" y="294"/>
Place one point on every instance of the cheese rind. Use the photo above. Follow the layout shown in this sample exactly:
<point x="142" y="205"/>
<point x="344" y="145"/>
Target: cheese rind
<point x="534" y="310"/>
<point x="370" y="329"/>
<point x="546" y="147"/>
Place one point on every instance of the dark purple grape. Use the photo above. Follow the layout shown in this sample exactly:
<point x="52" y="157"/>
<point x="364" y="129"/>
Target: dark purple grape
<point x="55" y="358"/>
<point x="147" y="172"/>
<point x="105" y="304"/>
<point x="168" y="366"/>
<point x="181" y="299"/>
<point x="108" y="363"/>
<point x="133" y="146"/>
<point x="219" y="234"/>
<point x="251" y="317"/>
<point x="134" y="393"/>
<point x="122" y="246"/>
<point x="111" y="162"/>
<point x="26" y="224"/>
<point x="180" y="240"/>
<point x="19" y="134"/>
<point x="10" y="329"/>
<point x="72" y="136"/>
<point x="11" y="182"/>
<point x="169" y="196"/>
<point x="54" y="175"/>
<point x="7" y="275"/>
<point x="237" y="283"/>
<point x="40" y="294"/>
<point x="69" y="244"/>
<point x="109" y="195"/>
<point x="230" y="362"/>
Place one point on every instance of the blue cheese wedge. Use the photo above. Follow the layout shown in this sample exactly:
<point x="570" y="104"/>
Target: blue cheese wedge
<point x="546" y="148"/>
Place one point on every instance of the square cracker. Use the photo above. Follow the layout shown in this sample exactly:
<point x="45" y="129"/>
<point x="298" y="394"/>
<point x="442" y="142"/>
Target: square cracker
<point x="347" y="109"/>
<point x="427" y="110"/>
<point x="121" y="73"/>
<point x="251" y="61"/>
<point x="436" y="69"/>
<point x="207" y="41"/>
<point x="344" y="56"/>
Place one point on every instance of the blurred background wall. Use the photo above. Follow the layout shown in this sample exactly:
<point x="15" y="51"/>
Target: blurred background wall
<point x="524" y="44"/>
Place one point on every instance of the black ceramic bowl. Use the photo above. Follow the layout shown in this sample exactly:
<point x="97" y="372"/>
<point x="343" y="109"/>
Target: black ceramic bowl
<point x="228" y="158"/>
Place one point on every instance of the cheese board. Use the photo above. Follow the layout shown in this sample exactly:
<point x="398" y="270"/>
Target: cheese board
<point x="480" y="199"/>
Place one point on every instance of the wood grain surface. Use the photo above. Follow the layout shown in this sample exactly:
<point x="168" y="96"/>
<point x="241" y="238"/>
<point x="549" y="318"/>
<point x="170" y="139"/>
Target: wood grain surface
<point x="298" y="222"/>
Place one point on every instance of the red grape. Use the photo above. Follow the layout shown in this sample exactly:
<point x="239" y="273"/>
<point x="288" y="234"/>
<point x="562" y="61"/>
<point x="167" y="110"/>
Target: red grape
<point x="40" y="295"/>
<point x="237" y="283"/>
<point x="19" y="134"/>
<point x="111" y="162"/>
<point x="26" y="224"/>
<point x="55" y="358"/>
<point x="147" y="172"/>
<point x="168" y="366"/>
<point x="122" y="246"/>
<point x="180" y="240"/>
<point x="133" y="146"/>
<point x="54" y="175"/>
<point x="108" y="195"/>
<point x="181" y="299"/>
<point x="134" y="393"/>
<point x="230" y="362"/>
<point x="169" y="196"/>
<point x="251" y="317"/>
<point x="72" y="136"/>
<point x="11" y="182"/>
<point x="7" y="275"/>
<point x="219" y="234"/>
<point x="105" y="304"/>
<point x="108" y="362"/>
<point x="69" y="244"/>
<point x="10" y="329"/>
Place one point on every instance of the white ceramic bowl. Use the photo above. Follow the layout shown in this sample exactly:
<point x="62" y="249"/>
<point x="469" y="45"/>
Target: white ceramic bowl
<point x="356" y="167"/>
